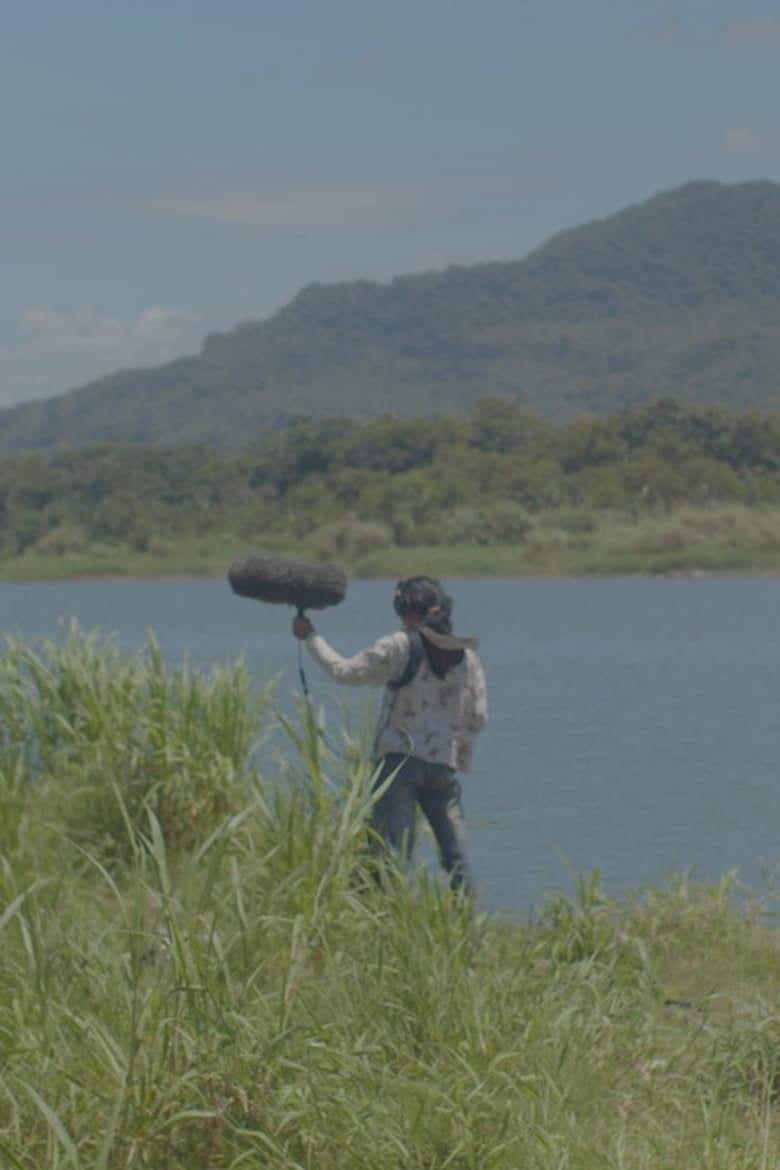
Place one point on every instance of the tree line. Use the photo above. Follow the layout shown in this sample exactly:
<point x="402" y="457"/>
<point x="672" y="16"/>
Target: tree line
<point x="404" y="481"/>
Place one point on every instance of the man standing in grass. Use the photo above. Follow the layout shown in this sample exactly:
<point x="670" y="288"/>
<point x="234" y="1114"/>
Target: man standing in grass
<point x="434" y="706"/>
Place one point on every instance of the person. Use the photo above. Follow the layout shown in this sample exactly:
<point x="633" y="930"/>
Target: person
<point x="434" y="705"/>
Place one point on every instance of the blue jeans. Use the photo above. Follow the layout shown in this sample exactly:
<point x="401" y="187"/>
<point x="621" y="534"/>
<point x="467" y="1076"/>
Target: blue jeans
<point x="436" y="789"/>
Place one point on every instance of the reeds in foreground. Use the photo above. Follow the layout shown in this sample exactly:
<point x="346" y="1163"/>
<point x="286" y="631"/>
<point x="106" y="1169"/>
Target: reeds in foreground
<point x="198" y="971"/>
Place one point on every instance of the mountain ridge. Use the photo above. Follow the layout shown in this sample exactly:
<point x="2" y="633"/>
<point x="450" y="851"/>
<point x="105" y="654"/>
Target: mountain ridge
<point x="678" y="296"/>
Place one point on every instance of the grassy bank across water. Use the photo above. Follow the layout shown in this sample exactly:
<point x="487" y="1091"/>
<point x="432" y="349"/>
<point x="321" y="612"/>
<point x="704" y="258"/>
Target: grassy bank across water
<point x="558" y="542"/>
<point x="197" y="970"/>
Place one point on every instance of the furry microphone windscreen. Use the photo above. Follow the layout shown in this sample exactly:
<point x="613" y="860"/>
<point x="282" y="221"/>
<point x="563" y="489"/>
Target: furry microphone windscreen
<point x="304" y="584"/>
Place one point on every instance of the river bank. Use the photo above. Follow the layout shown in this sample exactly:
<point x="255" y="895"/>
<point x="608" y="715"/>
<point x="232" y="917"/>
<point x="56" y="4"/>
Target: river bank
<point x="558" y="543"/>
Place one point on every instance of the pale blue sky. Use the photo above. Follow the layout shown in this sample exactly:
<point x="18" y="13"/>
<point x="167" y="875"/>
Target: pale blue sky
<point x="171" y="167"/>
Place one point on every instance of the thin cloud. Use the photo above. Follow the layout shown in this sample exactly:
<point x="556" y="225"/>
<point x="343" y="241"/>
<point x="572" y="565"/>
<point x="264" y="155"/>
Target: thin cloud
<point x="156" y="334"/>
<point x="320" y="207"/>
<point x="755" y="33"/>
<point x="295" y="209"/>
<point x="669" y="32"/>
<point x="480" y="187"/>
<point x="365" y="63"/>
<point x="750" y="138"/>
<point x="51" y="352"/>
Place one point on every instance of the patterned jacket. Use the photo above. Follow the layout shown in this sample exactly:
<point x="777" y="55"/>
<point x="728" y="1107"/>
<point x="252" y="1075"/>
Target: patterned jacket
<point x="435" y="719"/>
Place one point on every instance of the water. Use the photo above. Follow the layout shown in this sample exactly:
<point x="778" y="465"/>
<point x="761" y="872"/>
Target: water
<point x="634" y="723"/>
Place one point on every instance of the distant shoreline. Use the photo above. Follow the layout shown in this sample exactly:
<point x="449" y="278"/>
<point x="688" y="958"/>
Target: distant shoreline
<point x="194" y="577"/>
<point x="688" y="543"/>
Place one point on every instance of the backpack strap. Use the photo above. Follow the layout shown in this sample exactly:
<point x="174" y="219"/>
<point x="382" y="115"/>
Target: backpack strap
<point x="416" y="653"/>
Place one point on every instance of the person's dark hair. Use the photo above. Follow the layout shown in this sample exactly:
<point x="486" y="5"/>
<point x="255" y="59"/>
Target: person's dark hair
<point x="425" y="598"/>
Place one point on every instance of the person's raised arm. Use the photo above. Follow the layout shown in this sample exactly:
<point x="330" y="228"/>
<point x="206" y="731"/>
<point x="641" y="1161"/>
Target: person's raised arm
<point x="374" y="667"/>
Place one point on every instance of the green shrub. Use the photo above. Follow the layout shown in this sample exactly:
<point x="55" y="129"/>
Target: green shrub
<point x="350" y="538"/>
<point x="501" y="522"/>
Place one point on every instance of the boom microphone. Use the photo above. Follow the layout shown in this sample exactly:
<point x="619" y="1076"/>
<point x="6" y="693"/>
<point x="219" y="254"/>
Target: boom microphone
<point x="304" y="584"/>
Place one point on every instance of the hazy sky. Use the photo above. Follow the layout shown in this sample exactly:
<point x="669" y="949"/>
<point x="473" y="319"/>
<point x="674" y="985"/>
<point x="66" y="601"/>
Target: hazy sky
<point x="171" y="167"/>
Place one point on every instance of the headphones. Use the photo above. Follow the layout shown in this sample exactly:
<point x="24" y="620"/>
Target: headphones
<point x="404" y="600"/>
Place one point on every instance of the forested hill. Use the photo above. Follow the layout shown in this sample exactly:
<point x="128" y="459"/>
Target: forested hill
<point x="678" y="297"/>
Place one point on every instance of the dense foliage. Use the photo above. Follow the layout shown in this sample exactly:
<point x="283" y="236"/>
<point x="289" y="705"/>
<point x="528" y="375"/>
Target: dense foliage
<point x="677" y="297"/>
<point x="349" y="488"/>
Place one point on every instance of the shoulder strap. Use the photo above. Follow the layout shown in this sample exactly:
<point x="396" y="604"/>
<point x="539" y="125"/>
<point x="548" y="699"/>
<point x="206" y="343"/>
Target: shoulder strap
<point x="416" y="652"/>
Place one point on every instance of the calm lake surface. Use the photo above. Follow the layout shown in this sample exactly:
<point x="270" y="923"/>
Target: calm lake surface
<point x="634" y="722"/>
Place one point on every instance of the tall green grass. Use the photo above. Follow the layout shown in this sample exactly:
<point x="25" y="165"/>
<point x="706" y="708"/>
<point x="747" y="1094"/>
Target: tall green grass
<point x="198" y="970"/>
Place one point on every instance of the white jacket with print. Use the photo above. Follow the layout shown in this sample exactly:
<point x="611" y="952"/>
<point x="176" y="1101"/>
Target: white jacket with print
<point x="435" y="719"/>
